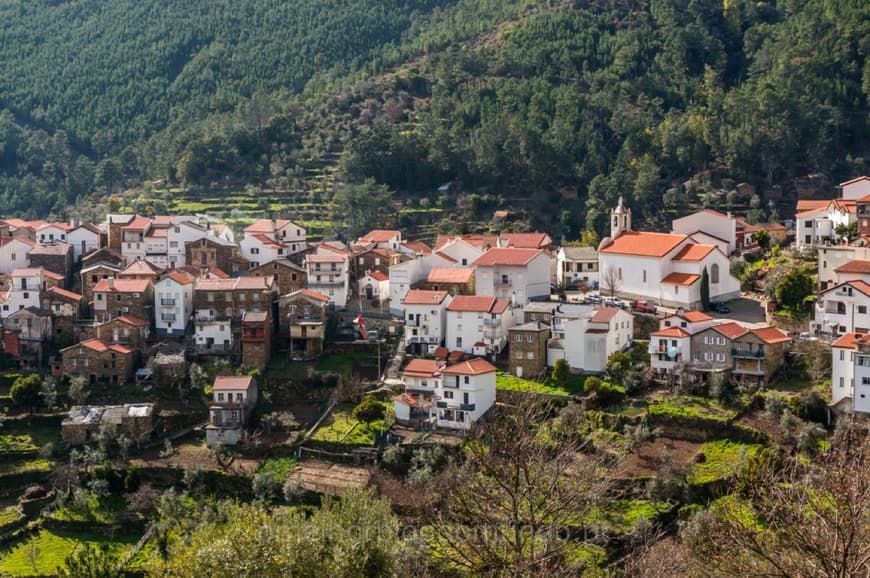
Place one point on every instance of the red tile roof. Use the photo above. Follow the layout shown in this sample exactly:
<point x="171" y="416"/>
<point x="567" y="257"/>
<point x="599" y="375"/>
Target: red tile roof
<point x="695" y="316"/>
<point x="423" y="297"/>
<point x="138" y="223"/>
<point x="179" y="277"/>
<point x="670" y="332"/>
<point x="133" y="320"/>
<point x="859" y="285"/>
<point x="224" y="382"/>
<point x="525" y="240"/>
<point x="604" y="315"/>
<point x="422" y="368"/>
<point x="315" y="258"/>
<point x="64" y="293"/>
<point x="378" y="276"/>
<point x="54" y="249"/>
<point x="267" y="226"/>
<point x="812" y="205"/>
<point x="507" y="256"/>
<point x="380" y="236"/>
<point x="681" y="279"/>
<point x="810" y="213"/>
<point x="122" y="285"/>
<point x="693" y="252"/>
<point x="730" y="330"/>
<point x="475" y="366"/>
<point x="854" y="266"/>
<point x="770" y="335"/>
<point x="448" y="275"/>
<point x="418" y="247"/>
<point x="157" y="233"/>
<point x="141" y="267"/>
<point x="851" y="340"/>
<point x="314" y="295"/>
<point x="101" y="346"/>
<point x="27" y="272"/>
<point x="479" y="241"/>
<point x="643" y="244"/>
<point x="478" y="303"/>
<point x="267" y="241"/>
<point x="52" y="275"/>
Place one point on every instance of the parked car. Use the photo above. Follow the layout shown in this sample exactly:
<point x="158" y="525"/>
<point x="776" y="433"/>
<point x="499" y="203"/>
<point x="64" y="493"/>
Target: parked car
<point x="594" y="298"/>
<point x="614" y="302"/>
<point x="645" y="306"/>
<point x="720" y="307"/>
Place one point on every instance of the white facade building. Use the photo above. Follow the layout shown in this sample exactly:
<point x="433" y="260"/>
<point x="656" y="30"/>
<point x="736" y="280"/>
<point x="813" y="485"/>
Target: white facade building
<point x="517" y="275"/>
<point x="842" y="309"/>
<point x="576" y="265"/>
<point x="404" y="275"/>
<point x="84" y="239"/>
<point x="328" y="275"/>
<point x="15" y="253"/>
<point x="173" y="301"/>
<point x="478" y="324"/>
<point x="850" y="373"/>
<point x="832" y="257"/>
<point x="662" y="267"/>
<point x="425" y="315"/>
<point x="586" y="341"/>
<point x="466" y="393"/>
<point x="25" y="290"/>
<point x="269" y="239"/>
<point x="233" y="400"/>
<point x="855" y="189"/>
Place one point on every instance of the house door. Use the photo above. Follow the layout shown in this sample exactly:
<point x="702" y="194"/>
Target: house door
<point x="369" y="292"/>
<point x="519" y="371"/>
<point x="83" y="248"/>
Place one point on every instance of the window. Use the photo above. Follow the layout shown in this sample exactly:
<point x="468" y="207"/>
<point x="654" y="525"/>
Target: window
<point x="530" y="338"/>
<point x="239" y="396"/>
<point x="519" y="355"/>
<point x="808" y="225"/>
<point x="255" y="251"/>
<point x="459" y="339"/>
<point x="720" y="357"/>
<point x="865" y="381"/>
<point x="467" y="380"/>
<point x="620" y="273"/>
<point x="841" y="382"/>
<point x="518" y="338"/>
<point x="530" y="355"/>
<point x="448" y="395"/>
<point x="220" y="397"/>
<point x="842" y="355"/>
<point x="714" y="273"/>
<point x="644" y="275"/>
<point x="862" y="309"/>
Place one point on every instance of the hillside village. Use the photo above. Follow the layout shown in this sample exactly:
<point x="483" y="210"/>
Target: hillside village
<point x="169" y="329"/>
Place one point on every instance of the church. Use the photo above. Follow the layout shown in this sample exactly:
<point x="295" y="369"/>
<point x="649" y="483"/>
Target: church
<point x="663" y="267"/>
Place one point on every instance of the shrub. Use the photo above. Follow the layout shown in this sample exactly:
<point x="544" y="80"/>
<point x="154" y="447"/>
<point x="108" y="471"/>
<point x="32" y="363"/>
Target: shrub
<point x="369" y="410"/>
<point x="561" y="372"/>
<point x="26" y="391"/>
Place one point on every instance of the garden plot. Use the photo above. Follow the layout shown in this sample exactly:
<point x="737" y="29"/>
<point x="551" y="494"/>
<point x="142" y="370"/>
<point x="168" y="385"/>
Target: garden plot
<point x="329" y="478"/>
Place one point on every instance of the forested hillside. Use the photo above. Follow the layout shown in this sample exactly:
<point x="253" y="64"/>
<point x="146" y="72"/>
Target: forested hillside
<point x="519" y="98"/>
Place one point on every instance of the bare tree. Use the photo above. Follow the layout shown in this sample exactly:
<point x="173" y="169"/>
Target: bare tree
<point x="505" y="510"/>
<point x="611" y="281"/>
<point x="798" y="520"/>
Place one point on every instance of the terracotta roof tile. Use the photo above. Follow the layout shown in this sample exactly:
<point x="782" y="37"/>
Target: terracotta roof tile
<point x="507" y="256"/>
<point x="812" y="205"/>
<point x="423" y="297"/>
<point x="854" y="266"/>
<point x="478" y="303"/>
<point x="695" y="316"/>
<point x="643" y="244"/>
<point x="693" y="252"/>
<point x="770" y="335"/>
<point x="139" y="223"/>
<point x="64" y="293"/>
<point x="475" y="366"/>
<point x="851" y="340"/>
<point x="133" y="320"/>
<point x="418" y="247"/>
<point x="670" y="332"/>
<point x="122" y="285"/>
<point x="525" y="240"/>
<point x="730" y="330"/>
<point x="448" y="275"/>
<point x="224" y="382"/>
<point x="423" y="368"/>
<point x="604" y="315"/>
<point x="681" y="279"/>
<point x="380" y="236"/>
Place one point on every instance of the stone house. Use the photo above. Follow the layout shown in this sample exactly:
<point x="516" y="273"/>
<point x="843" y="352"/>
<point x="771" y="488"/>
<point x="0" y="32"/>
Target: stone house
<point x="64" y="306"/>
<point x="142" y="270"/>
<point x="99" y="362"/>
<point x="83" y="423"/>
<point x="211" y="252"/>
<point x="127" y="330"/>
<point x="374" y="259"/>
<point x="34" y="329"/>
<point x="711" y="350"/>
<point x="256" y="339"/>
<point x="289" y="277"/>
<point x="117" y="297"/>
<point x="542" y="311"/>
<point x="93" y="274"/>
<point x="54" y="257"/>
<point x="302" y="320"/>
<point x="758" y="354"/>
<point x="234" y="398"/>
<point x="528" y="349"/>
<point x="103" y="255"/>
<point x="229" y="299"/>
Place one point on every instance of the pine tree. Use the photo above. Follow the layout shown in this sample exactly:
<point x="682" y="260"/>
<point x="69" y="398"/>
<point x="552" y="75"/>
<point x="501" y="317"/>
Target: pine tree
<point x="705" y="289"/>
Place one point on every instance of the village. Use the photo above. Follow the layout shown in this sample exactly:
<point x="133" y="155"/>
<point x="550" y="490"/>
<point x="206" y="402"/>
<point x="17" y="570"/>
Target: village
<point x="183" y="345"/>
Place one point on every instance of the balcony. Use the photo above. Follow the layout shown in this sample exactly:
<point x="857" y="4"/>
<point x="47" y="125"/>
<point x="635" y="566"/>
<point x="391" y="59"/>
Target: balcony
<point x="167" y="302"/>
<point x="755" y="354"/>
<point x="334" y="283"/>
<point x="492" y="335"/>
<point x="466" y="406"/>
<point x="504" y="282"/>
<point x="492" y="322"/>
<point x="167" y="317"/>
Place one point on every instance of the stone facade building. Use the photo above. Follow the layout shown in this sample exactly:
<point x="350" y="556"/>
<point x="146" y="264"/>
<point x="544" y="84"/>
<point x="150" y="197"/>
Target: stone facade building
<point x="55" y="257"/>
<point x="93" y="274"/>
<point x="256" y="339"/>
<point x="126" y="330"/>
<point x="302" y="321"/>
<point x="234" y="398"/>
<point x="528" y="349"/>
<point x="64" y="307"/>
<point x="135" y="421"/>
<point x="117" y="297"/>
<point x="99" y="362"/>
<point x="289" y="277"/>
<point x="211" y="252"/>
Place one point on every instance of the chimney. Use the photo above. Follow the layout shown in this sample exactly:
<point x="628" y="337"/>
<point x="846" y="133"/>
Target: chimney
<point x="111" y="281"/>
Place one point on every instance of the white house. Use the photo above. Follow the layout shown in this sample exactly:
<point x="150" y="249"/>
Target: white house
<point x="842" y="309"/>
<point x="15" y="253"/>
<point x="819" y="225"/>
<point x="518" y="275"/>
<point x="211" y="336"/>
<point x="383" y="239"/>
<point x="832" y="257"/>
<point x="425" y="318"/>
<point x="850" y="373"/>
<point x="462" y="250"/>
<point x="173" y="300"/>
<point x="525" y="240"/>
<point x="716" y="228"/>
<point x="576" y="265"/>
<point x="587" y="340"/>
<point x="478" y="324"/>
<point x="467" y="392"/>
<point x="422" y="380"/>
<point x="233" y="400"/>
<point x="25" y="290"/>
<point x="84" y="239"/>
<point x="328" y="274"/>
<point x="855" y="189"/>
<point x="53" y="232"/>
<point x="404" y="275"/>
<point x="854" y="270"/>
<point x="178" y="235"/>
<point x="663" y="267"/>
<point x="374" y="285"/>
<point x="270" y="239"/>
